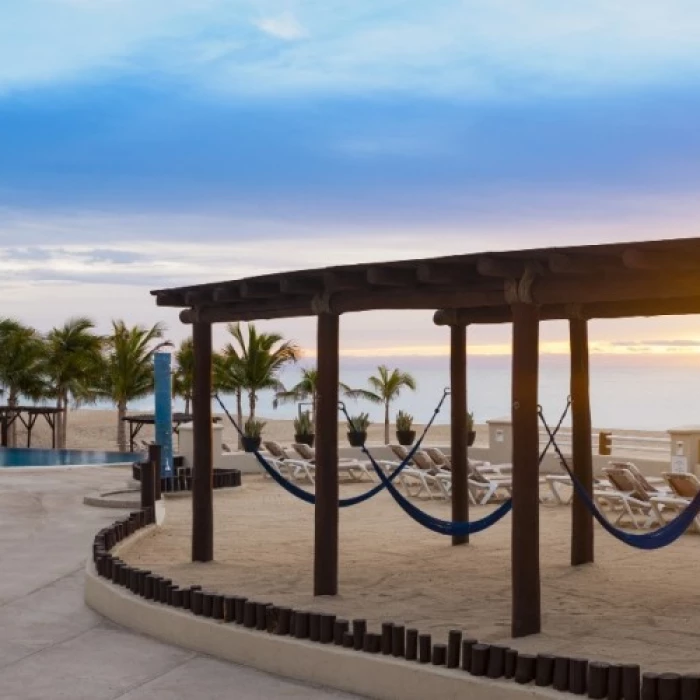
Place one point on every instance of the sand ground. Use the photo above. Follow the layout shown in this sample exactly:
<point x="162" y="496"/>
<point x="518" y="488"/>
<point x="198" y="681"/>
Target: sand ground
<point x="630" y="606"/>
<point x="97" y="429"/>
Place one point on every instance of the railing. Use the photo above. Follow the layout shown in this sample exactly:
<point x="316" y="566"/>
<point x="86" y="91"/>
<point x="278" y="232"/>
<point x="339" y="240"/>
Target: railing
<point x="610" y="444"/>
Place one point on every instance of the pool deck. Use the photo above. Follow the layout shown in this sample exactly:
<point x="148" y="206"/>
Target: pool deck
<point x="53" y="646"/>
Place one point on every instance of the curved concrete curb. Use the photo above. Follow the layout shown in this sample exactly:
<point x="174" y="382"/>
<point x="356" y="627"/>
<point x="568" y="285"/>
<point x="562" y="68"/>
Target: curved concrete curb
<point x="384" y="678"/>
<point x="115" y="499"/>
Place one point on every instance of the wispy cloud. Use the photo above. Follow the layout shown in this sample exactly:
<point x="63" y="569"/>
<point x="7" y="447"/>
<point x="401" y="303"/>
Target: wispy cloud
<point x="285" y="26"/>
<point x="472" y="48"/>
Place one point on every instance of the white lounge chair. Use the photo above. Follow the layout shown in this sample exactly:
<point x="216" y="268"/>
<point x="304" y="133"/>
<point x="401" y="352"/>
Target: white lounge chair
<point x="495" y="470"/>
<point x="352" y="467"/>
<point x="684" y="487"/>
<point x="421" y="474"/>
<point x="630" y="496"/>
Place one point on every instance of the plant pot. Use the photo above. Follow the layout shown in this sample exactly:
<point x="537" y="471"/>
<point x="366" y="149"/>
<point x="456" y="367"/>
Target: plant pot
<point x="471" y="437"/>
<point x="305" y="439"/>
<point x="406" y="437"/>
<point x="251" y="444"/>
<point x="357" y="439"/>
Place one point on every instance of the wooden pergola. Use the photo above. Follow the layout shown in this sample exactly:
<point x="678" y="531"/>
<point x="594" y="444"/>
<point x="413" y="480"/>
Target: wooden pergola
<point x="520" y="287"/>
<point x="136" y="422"/>
<point x="27" y="415"/>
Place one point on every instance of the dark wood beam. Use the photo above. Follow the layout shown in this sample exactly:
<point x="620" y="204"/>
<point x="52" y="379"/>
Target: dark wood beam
<point x="614" y="288"/>
<point x="492" y="267"/>
<point x="582" y="520"/>
<point x="301" y="286"/>
<point x="444" y="274"/>
<point x="391" y="276"/>
<point x="198" y="296"/>
<point x="458" y="429"/>
<point x="202" y="483"/>
<point x="253" y="289"/>
<point x="417" y="298"/>
<point x="170" y="299"/>
<point x="346" y="302"/>
<point x="340" y="281"/>
<point x="232" y="313"/>
<point x="525" y="538"/>
<point x="327" y="509"/>
<point x="226" y="293"/>
<point x="637" y="259"/>
<point x="561" y="264"/>
<point x="682" y="306"/>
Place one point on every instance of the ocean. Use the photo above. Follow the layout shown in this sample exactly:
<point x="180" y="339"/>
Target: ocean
<point x="643" y="392"/>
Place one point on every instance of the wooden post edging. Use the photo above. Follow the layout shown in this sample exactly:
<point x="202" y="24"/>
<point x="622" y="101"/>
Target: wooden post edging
<point x="573" y="675"/>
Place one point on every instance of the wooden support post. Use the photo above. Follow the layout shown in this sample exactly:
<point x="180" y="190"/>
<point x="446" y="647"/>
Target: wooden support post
<point x="5" y="430"/>
<point x="582" y="520"/>
<point x="525" y="543"/>
<point x="458" y="428"/>
<point x="202" y="487"/>
<point x="326" y="513"/>
<point x="31" y="420"/>
<point x="154" y="456"/>
<point x="148" y="484"/>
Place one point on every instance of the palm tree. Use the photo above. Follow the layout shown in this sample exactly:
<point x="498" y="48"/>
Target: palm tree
<point x="307" y="388"/>
<point x="128" y="371"/>
<point x="21" y="365"/>
<point x="183" y="378"/>
<point x="228" y="378"/>
<point x="73" y="355"/>
<point x="261" y="356"/>
<point x="386" y="386"/>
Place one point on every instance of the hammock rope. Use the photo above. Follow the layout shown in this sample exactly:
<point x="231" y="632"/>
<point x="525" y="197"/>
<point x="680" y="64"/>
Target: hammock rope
<point x="661" y="537"/>
<point x="310" y="498"/>
<point x="436" y="525"/>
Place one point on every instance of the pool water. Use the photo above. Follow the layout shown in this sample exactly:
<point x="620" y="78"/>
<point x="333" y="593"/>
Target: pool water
<point x="32" y="457"/>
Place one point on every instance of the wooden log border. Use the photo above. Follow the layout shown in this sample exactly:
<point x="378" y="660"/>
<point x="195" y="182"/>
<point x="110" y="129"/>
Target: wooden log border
<point x="567" y="675"/>
<point x="181" y="481"/>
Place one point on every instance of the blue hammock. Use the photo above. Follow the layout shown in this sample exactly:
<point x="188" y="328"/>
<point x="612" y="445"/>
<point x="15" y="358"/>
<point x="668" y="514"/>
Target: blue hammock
<point x="661" y="537"/>
<point x="441" y="527"/>
<point x="310" y="498"/>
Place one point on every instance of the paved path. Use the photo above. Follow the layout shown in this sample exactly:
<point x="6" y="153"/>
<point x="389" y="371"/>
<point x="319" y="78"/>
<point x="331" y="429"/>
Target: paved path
<point x="52" y="646"/>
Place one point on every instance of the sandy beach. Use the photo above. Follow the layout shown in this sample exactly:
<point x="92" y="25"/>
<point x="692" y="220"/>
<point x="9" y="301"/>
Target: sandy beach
<point x="97" y="429"/>
<point x="631" y="606"/>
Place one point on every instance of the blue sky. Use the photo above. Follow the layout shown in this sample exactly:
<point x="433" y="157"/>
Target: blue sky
<point x="149" y="143"/>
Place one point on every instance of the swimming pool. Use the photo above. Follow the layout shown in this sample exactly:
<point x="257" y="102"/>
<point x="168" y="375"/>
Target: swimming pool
<point x="33" y="457"/>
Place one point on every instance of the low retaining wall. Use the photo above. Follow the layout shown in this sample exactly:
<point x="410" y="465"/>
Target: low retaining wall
<point x="248" y="464"/>
<point x="182" y="481"/>
<point x="393" y="662"/>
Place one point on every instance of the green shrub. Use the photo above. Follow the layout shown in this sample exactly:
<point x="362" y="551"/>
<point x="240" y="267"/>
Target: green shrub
<point x="404" y="422"/>
<point x="359" y="424"/>
<point x="303" y="424"/>
<point x="253" y="428"/>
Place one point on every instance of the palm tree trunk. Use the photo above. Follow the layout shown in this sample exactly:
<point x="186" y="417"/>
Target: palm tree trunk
<point x="59" y="421"/>
<point x="252" y="399"/>
<point x="64" y="425"/>
<point x="239" y="415"/>
<point x="12" y="437"/>
<point x="386" y="422"/>
<point x="187" y="404"/>
<point x="121" y="426"/>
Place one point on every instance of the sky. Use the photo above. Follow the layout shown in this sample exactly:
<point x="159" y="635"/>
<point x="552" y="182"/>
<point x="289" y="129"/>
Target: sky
<point x="153" y="143"/>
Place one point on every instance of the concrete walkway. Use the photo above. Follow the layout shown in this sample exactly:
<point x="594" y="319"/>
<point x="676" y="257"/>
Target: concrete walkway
<point x="52" y="646"/>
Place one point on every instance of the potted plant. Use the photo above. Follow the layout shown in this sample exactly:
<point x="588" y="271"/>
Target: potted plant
<point x="252" y="435"/>
<point x="404" y="423"/>
<point x="471" y="433"/>
<point x="357" y="429"/>
<point x="304" y="429"/>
